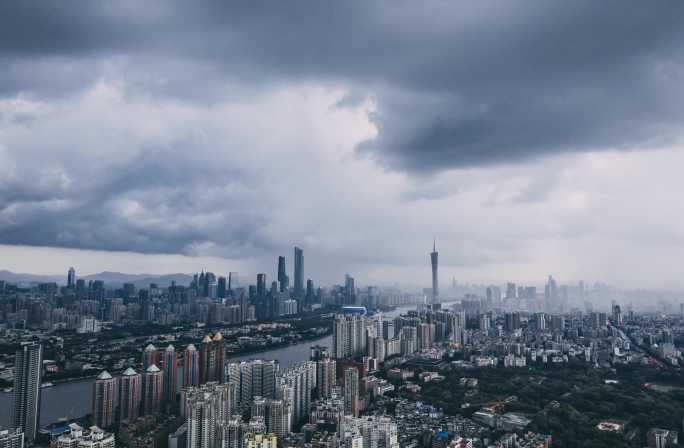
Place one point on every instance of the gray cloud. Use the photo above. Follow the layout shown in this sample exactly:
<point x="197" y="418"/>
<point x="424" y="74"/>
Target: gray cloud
<point x="162" y="127"/>
<point x="457" y="84"/>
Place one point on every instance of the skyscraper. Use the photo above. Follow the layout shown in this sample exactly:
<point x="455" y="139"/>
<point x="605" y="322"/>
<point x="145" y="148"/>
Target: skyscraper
<point x="170" y="374"/>
<point x="349" y="290"/>
<point x="282" y="274"/>
<point x="28" y="367"/>
<point x="153" y="390"/>
<point x="434" y="259"/>
<point x="351" y="391"/>
<point x="310" y="292"/>
<point x="233" y="281"/>
<point x="104" y="391"/>
<point x="222" y="287"/>
<point x="130" y="388"/>
<point x="261" y="285"/>
<point x="298" y="273"/>
<point x="191" y="363"/>
<point x="71" y="278"/>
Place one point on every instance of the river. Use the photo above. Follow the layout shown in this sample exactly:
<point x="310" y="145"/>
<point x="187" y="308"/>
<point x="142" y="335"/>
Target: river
<point x="74" y="399"/>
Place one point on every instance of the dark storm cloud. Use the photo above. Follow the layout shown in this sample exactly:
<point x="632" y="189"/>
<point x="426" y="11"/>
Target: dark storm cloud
<point x="457" y="83"/>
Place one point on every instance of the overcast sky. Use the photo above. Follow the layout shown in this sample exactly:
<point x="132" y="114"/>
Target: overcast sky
<point x="530" y="138"/>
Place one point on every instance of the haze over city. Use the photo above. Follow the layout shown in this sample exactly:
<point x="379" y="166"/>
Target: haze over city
<point x="527" y="138"/>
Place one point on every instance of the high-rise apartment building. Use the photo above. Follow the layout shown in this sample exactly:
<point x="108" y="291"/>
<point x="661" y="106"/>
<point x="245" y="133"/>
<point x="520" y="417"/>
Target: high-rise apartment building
<point x="295" y="386"/>
<point x="252" y="378"/>
<point x="426" y="335"/>
<point x="104" y="398"/>
<point x="170" y="374"/>
<point x="349" y="336"/>
<point x="212" y="359"/>
<point x="351" y="391"/>
<point x="152" y="390"/>
<point x="277" y="415"/>
<point x="191" y="363"/>
<point x="326" y="378"/>
<point x="208" y="409"/>
<point x="28" y="368"/>
<point x="130" y="392"/>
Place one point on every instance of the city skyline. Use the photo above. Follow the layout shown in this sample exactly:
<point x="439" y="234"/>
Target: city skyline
<point x="355" y="224"/>
<point x="280" y="276"/>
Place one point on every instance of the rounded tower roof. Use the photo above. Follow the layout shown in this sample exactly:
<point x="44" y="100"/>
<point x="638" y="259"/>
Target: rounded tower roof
<point x="206" y="340"/>
<point x="153" y="369"/>
<point x="150" y="348"/>
<point x="104" y="375"/>
<point x="129" y="372"/>
<point x="218" y="336"/>
<point x="170" y="348"/>
<point x="191" y="348"/>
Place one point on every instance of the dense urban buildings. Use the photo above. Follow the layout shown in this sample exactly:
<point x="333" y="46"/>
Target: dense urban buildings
<point x="380" y="371"/>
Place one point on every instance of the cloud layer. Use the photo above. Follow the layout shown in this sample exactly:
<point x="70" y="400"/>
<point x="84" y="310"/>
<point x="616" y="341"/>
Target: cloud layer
<point x="356" y="129"/>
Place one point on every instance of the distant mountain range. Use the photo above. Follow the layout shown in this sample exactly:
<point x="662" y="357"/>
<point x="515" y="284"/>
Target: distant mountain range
<point x="111" y="279"/>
